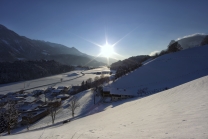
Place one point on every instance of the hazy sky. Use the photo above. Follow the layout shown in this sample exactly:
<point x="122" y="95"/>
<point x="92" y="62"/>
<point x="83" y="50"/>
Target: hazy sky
<point x="152" y="23"/>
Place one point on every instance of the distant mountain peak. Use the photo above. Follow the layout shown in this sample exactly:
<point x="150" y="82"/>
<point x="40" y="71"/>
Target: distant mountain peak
<point x="73" y="47"/>
<point x="2" y="27"/>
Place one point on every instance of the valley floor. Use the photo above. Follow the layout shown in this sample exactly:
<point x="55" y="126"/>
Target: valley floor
<point x="68" y="79"/>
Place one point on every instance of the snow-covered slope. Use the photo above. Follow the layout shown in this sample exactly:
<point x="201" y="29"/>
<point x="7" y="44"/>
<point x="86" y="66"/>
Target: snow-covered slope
<point x="180" y="112"/>
<point x="191" y="40"/>
<point x="169" y="70"/>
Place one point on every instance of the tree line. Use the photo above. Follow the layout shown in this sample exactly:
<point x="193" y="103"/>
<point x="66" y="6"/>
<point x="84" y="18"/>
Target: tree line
<point x="92" y="83"/>
<point x="27" y="70"/>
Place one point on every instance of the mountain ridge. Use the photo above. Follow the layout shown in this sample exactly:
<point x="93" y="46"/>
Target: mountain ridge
<point x="15" y="47"/>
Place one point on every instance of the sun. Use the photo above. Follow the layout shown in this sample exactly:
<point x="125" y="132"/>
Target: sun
<point x="107" y="50"/>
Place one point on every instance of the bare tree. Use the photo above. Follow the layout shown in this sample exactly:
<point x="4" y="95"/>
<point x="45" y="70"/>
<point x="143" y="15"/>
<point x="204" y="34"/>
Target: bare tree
<point x="48" y="89"/>
<point x="89" y="80"/>
<point x="96" y="78"/>
<point x="24" y="86"/>
<point x="102" y="76"/>
<point x="73" y="105"/>
<point x="44" y="93"/>
<point x="9" y="116"/>
<point x="28" y="121"/>
<point x="96" y="81"/>
<point x="28" y="84"/>
<point x="53" y="111"/>
<point x="3" y="123"/>
<point x="94" y="92"/>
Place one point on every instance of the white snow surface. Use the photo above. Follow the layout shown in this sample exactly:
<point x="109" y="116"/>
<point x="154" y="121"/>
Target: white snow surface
<point x="101" y="69"/>
<point x="169" y="70"/>
<point x="68" y="79"/>
<point x="180" y="112"/>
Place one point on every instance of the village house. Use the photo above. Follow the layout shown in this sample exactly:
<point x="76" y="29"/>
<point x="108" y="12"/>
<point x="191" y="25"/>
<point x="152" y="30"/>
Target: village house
<point x="33" y="116"/>
<point x="48" y="90"/>
<point x="2" y="96"/>
<point x="11" y="94"/>
<point x="37" y="92"/>
<point x="22" y="107"/>
<point x="16" y="99"/>
<point x="63" y="88"/>
<point x="106" y="72"/>
<point x="2" y="102"/>
<point x="74" y="88"/>
<point x="63" y="96"/>
<point x="54" y="103"/>
<point x="56" y="92"/>
<point x="30" y="99"/>
<point x="115" y="95"/>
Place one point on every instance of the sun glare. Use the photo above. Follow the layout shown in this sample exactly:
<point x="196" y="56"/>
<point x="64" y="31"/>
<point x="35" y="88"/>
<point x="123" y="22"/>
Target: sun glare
<point x="107" y="50"/>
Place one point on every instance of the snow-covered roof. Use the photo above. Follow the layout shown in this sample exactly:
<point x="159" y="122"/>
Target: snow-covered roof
<point x="61" y="87"/>
<point x="42" y="96"/>
<point x="28" y="107"/>
<point x="11" y="93"/>
<point x="50" y="88"/>
<point x="56" y="91"/>
<point x="62" y="96"/>
<point x="30" y="99"/>
<point x="37" y="91"/>
<point x="106" y="89"/>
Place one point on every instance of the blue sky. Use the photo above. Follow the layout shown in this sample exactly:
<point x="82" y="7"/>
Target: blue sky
<point x="152" y="23"/>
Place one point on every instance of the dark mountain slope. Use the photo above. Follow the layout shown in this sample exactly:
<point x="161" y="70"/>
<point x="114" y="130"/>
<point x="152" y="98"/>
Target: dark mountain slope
<point x="15" y="47"/>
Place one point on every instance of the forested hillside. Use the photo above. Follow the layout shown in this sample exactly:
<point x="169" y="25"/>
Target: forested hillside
<point x="26" y="70"/>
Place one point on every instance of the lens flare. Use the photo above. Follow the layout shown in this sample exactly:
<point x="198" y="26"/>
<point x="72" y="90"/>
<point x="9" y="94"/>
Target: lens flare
<point x="107" y="50"/>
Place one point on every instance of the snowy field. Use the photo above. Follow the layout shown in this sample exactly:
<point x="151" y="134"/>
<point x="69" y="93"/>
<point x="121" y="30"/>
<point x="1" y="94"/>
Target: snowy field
<point x="68" y="80"/>
<point x="180" y="112"/>
<point x="169" y="70"/>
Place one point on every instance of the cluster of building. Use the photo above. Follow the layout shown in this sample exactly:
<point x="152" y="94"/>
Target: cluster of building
<point x="35" y="105"/>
